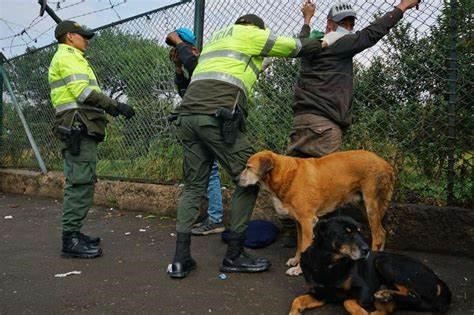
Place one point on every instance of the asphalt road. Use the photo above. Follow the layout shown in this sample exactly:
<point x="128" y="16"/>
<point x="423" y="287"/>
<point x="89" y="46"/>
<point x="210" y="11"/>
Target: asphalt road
<point x="130" y="278"/>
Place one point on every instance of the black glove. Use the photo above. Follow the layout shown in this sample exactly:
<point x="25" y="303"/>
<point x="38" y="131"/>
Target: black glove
<point x="125" y="110"/>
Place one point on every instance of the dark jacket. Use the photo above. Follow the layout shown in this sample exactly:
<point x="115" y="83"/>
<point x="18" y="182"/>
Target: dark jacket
<point x="189" y="61"/>
<point x="325" y="84"/>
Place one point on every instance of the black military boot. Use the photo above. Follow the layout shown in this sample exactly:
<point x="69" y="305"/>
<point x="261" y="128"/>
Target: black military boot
<point x="183" y="263"/>
<point x="74" y="246"/>
<point x="94" y="241"/>
<point x="237" y="260"/>
<point x="289" y="234"/>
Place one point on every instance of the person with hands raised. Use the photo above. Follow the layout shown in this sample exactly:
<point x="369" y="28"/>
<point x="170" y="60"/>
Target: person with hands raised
<point x="322" y="105"/>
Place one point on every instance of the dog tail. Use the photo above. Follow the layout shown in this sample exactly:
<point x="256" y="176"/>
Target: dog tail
<point x="443" y="299"/>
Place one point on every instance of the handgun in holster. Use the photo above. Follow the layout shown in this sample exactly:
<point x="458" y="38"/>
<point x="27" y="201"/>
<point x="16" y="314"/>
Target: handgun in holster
<point x="231" y="123"/>
<point x="72" y="137"/>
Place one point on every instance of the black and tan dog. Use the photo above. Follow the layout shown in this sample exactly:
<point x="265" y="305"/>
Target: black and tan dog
<point x="339" y="268"/>
<point x="311" y="187"/>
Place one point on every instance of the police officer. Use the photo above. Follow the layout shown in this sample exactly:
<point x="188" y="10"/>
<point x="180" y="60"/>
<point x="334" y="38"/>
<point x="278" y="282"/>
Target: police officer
<point x="184" y="54"/>
<point x="210" y="126"/>
<point x="80" y="123"/>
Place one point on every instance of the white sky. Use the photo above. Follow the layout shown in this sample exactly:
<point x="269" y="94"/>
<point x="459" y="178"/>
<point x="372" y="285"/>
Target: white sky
<point x="283" y="17"/>
<point x="16" y="15"/>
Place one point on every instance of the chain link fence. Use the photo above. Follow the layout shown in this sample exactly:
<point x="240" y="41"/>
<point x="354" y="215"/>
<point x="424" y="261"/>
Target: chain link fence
<point x="412" y="102"/>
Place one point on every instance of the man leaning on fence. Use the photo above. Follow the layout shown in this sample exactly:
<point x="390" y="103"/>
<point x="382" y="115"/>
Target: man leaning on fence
<point x="80" y="124"/>
<point x="324" y="89"/>
<point x="210" y="125"/>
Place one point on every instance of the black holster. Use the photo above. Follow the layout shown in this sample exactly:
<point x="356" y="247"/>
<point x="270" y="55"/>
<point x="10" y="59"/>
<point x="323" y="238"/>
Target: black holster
<point x="231" y="123"/>
<point x="72" y="138"/>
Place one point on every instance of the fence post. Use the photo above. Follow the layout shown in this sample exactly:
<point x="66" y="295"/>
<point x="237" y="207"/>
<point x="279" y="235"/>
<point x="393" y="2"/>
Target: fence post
<point x="452" y="85"/>
<point x="199" y="8"/>
<point x="2" y="61"/>
<point x="23" y="120"/>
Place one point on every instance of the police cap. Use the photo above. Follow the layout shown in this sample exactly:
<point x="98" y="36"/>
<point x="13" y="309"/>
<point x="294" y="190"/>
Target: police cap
<point x="251" y="19"/>
<point x="72" y="27"/>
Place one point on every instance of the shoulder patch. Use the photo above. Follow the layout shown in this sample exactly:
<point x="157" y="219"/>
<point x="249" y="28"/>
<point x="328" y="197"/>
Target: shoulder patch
<point x="71" y="50"/>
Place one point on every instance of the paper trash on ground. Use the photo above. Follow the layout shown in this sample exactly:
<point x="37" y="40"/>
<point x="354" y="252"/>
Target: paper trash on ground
<point x="63" y="275"/>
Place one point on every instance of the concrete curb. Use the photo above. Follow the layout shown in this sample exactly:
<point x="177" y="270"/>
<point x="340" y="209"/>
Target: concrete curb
<point x="409" y="227"/>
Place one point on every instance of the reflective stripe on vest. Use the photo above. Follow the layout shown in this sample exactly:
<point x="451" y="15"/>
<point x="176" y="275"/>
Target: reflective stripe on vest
<point x="297" y="48"/>
<point x="220" y="76"/>
<point x="74" y="105"/>
<point x="229" y="78"/>
<point x="232" y="54"/>
<point x="85" y="93"/>
<point x="72" y="78"/>
<point x="269" y="44"/>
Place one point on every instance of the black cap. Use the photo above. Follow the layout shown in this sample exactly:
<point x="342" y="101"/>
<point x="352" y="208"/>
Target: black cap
<point x="72" y="27"/>
<point x="251" y="19"/>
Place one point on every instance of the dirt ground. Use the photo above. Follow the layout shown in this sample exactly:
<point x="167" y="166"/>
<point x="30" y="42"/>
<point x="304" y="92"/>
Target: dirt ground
<point x="130" y="278"/>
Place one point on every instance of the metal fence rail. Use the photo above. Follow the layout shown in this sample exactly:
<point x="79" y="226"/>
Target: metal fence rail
<point x="412" y="101"/>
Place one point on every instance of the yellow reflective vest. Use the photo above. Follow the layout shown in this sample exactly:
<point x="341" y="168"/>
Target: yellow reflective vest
<point x="235" y="54"/>
<point x="71" y="79"/>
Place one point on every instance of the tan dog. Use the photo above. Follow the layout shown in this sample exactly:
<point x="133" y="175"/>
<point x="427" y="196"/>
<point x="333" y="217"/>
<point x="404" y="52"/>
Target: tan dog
<point x="306" y="188"/>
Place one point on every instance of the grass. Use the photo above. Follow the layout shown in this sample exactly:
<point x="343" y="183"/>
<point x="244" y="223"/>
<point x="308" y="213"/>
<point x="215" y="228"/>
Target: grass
<point x="164" y="165"/>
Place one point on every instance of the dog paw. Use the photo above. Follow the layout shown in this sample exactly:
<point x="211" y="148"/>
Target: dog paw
<point x="383" y="296"/>
<point x="293" y="262"/>
<point x="294" y="271"/>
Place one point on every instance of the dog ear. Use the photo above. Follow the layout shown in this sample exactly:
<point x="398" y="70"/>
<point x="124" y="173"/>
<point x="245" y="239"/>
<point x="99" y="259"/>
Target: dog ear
<point x="266" y="165"/>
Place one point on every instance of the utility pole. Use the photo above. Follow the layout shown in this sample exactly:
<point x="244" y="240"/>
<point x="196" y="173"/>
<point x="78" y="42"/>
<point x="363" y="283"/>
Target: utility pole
<point x="47" y="8"/>
<point x="200" y="6"/>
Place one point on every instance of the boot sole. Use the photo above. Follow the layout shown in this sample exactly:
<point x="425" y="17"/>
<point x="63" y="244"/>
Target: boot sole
<point x="73" y="255"/>
<point x="181" y="274"/>
<point x="214" y="231"/>
<point x="246" y="270"/>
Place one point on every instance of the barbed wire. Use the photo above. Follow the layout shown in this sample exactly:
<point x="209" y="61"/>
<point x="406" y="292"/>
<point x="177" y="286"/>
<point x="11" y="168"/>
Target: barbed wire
<point x="59" y="8"/>
<point x="27" y="28"/>
<point x="100" y="10"/>
<point x="39" y="19"/>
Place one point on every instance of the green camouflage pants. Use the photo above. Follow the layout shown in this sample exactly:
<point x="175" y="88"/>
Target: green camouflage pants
<point x="202" y="144"/>
<point x="80" y="184"/>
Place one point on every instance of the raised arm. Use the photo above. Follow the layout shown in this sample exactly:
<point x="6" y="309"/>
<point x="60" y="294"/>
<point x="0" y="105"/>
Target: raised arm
<point x="308" y="8"/>
<point x="355" y="43"/>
